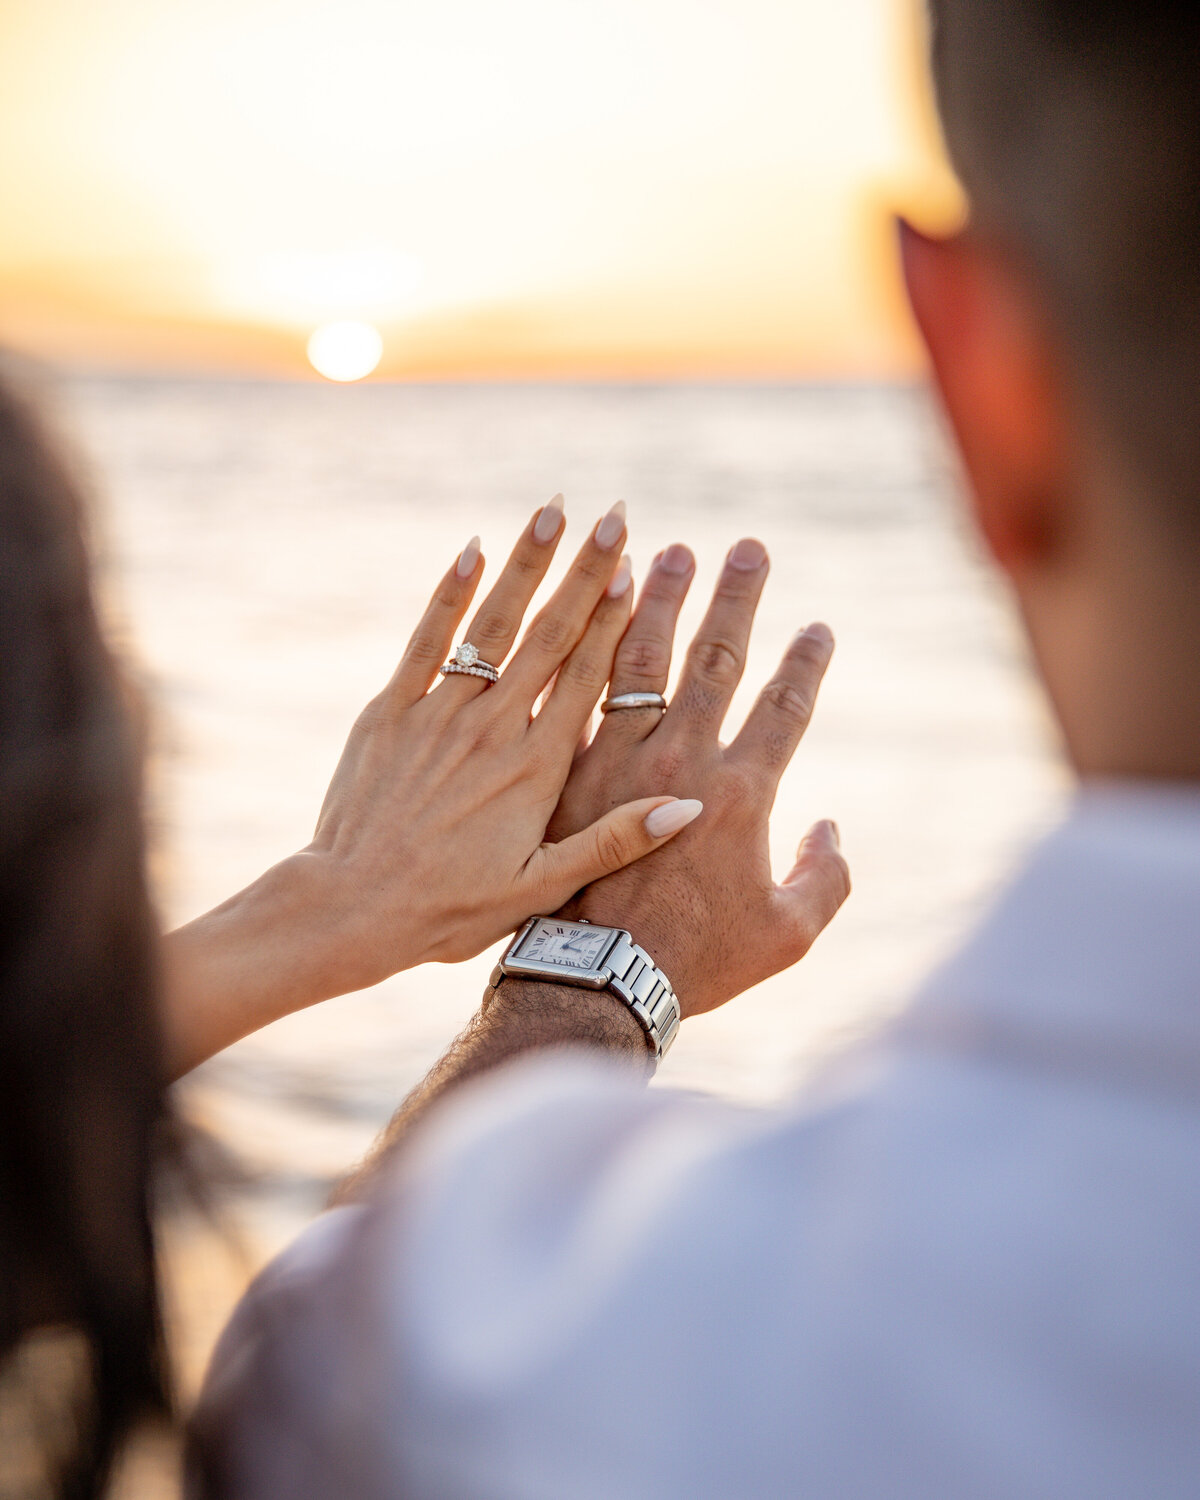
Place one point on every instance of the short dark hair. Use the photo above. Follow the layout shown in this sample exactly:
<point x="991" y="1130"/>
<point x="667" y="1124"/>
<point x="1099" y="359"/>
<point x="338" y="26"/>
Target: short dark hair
<point x="1075" y="130"/>
<point x="81" y="1087"/>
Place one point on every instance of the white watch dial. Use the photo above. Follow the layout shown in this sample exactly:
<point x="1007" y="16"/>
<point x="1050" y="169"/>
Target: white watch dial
<point x="571" y="944"/>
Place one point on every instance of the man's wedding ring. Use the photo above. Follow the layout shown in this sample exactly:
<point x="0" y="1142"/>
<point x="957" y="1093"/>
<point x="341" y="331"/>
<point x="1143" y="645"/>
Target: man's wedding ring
<point x="633" y="700"/>
<point x="466" y="662"/>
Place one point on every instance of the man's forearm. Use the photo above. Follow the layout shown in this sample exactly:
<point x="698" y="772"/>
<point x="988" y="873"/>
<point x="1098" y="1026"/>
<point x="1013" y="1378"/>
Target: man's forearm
<point x="521" y="1016"/>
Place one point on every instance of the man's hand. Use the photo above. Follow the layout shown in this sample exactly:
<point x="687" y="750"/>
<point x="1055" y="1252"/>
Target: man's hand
<point x="705" y="905"/>
<point x="431" y="842"/>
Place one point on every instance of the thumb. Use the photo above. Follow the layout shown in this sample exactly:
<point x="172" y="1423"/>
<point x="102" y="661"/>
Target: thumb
<point x="611" y="843"/>
<point x="817" y="883"/>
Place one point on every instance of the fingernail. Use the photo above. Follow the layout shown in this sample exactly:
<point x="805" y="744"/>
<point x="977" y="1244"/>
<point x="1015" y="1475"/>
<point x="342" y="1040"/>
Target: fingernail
<point x="676" y="560"/>
<point x="608" y="532"/>
<point x="819" y="631"/>
<point x="748" y="555"/>
<point x="826" y="829"/>
<point x="621" y="579"/>
<point x="545" y="528"/>
<point x="672" y="816"/>
<point x="467" y="559"/>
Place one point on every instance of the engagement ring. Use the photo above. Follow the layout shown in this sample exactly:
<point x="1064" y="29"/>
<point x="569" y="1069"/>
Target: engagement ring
<point x="467" y="662"/>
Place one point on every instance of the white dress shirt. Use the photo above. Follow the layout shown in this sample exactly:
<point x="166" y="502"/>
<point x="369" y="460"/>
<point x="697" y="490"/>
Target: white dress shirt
<point x="968" y="1265"/>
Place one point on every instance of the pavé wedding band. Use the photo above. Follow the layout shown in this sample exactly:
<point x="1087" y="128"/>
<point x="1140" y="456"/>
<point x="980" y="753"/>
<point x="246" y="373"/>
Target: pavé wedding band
<point x="633" y="700"/>
<point x="466" y="662"/>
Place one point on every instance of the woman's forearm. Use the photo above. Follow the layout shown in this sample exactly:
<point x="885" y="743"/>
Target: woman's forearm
<point x="264" y="953"/>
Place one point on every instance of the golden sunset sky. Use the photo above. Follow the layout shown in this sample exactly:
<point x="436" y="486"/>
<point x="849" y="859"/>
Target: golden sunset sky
<point x="502" y="187"/>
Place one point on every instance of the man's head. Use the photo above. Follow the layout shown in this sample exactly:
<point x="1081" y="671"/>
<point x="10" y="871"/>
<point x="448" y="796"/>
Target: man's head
<point x="1064" y="326"/>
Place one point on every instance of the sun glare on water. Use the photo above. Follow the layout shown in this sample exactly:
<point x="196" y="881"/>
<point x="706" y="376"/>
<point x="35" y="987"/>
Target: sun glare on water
<point x="345" y="350"/>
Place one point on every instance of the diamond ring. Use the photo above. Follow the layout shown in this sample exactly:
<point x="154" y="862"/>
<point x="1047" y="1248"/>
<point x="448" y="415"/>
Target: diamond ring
<point x="466" y="662"/>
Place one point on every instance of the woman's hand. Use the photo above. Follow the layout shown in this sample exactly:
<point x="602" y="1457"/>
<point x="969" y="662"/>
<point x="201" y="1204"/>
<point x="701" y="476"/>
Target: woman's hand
<point x="430" y="844"/>
<point x="707" y="908"/>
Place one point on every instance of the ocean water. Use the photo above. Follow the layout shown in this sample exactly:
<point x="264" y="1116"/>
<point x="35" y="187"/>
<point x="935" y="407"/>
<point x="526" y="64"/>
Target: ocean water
<point x="267" y="548"/>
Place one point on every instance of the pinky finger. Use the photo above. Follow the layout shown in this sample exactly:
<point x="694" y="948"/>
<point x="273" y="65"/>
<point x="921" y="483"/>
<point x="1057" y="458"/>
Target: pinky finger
<point x="432" y="639"/>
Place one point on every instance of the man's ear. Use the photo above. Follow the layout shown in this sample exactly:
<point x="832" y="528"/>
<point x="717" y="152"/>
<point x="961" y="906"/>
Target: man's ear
<point x="992" y="361"/>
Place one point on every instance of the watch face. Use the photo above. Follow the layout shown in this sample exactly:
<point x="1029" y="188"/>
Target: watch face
<point x="571" y="944"/>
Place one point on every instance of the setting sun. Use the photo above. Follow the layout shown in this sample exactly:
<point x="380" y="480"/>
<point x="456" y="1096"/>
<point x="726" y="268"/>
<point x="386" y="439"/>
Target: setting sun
<point x="629" y="188"/>
<point x="345" y="350"/>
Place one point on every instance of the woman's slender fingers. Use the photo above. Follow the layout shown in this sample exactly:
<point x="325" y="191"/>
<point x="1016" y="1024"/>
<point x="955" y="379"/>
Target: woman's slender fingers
<point x="717" y="657"/>
<point x="643" y="659"/>
<point x="776" y="723"/>
<point x="430" y="642"/>
<point x="582" y="677"/>
<point x="496" y="622"/>
<point x="555" y="630"/>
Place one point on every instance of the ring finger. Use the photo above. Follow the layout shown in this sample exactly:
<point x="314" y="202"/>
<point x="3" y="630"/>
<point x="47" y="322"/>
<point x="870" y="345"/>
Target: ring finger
<point x="643" y="660"/>
<point x="496" y="622"/>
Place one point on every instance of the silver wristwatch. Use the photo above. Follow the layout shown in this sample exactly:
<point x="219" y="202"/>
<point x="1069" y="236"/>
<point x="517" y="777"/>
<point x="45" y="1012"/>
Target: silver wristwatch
<point x="576" y="951"/>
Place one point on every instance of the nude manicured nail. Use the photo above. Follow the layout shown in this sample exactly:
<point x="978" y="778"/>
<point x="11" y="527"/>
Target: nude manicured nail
<point x="621" y="579"/>
<point x="748" y="555"/>
<point x="676" y="560"/>
<point x="608" y="532"/>
<point x="545" y="528"/>
<point x="672" y="816"/>
<point x="467" y="559"/>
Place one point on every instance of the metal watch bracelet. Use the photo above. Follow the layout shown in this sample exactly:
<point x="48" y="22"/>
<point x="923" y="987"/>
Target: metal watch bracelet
<point x="643" y="987"/>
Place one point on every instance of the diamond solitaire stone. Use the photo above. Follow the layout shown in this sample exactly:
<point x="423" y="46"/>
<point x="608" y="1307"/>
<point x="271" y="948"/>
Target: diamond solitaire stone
<point x="466" y="655"/>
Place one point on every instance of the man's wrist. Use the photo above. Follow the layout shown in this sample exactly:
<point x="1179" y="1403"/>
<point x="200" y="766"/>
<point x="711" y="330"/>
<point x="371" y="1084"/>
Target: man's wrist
<point x="544" y="1014"/>
<point x="659" y="938"/>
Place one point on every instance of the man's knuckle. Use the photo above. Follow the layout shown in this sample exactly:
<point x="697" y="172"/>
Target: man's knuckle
<point x="717" y="662"/>
<point x="789" y="700"/>
<point x="809" y="653"/>
<point x="645" y="658"/>
<point x="734" y="589"/>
